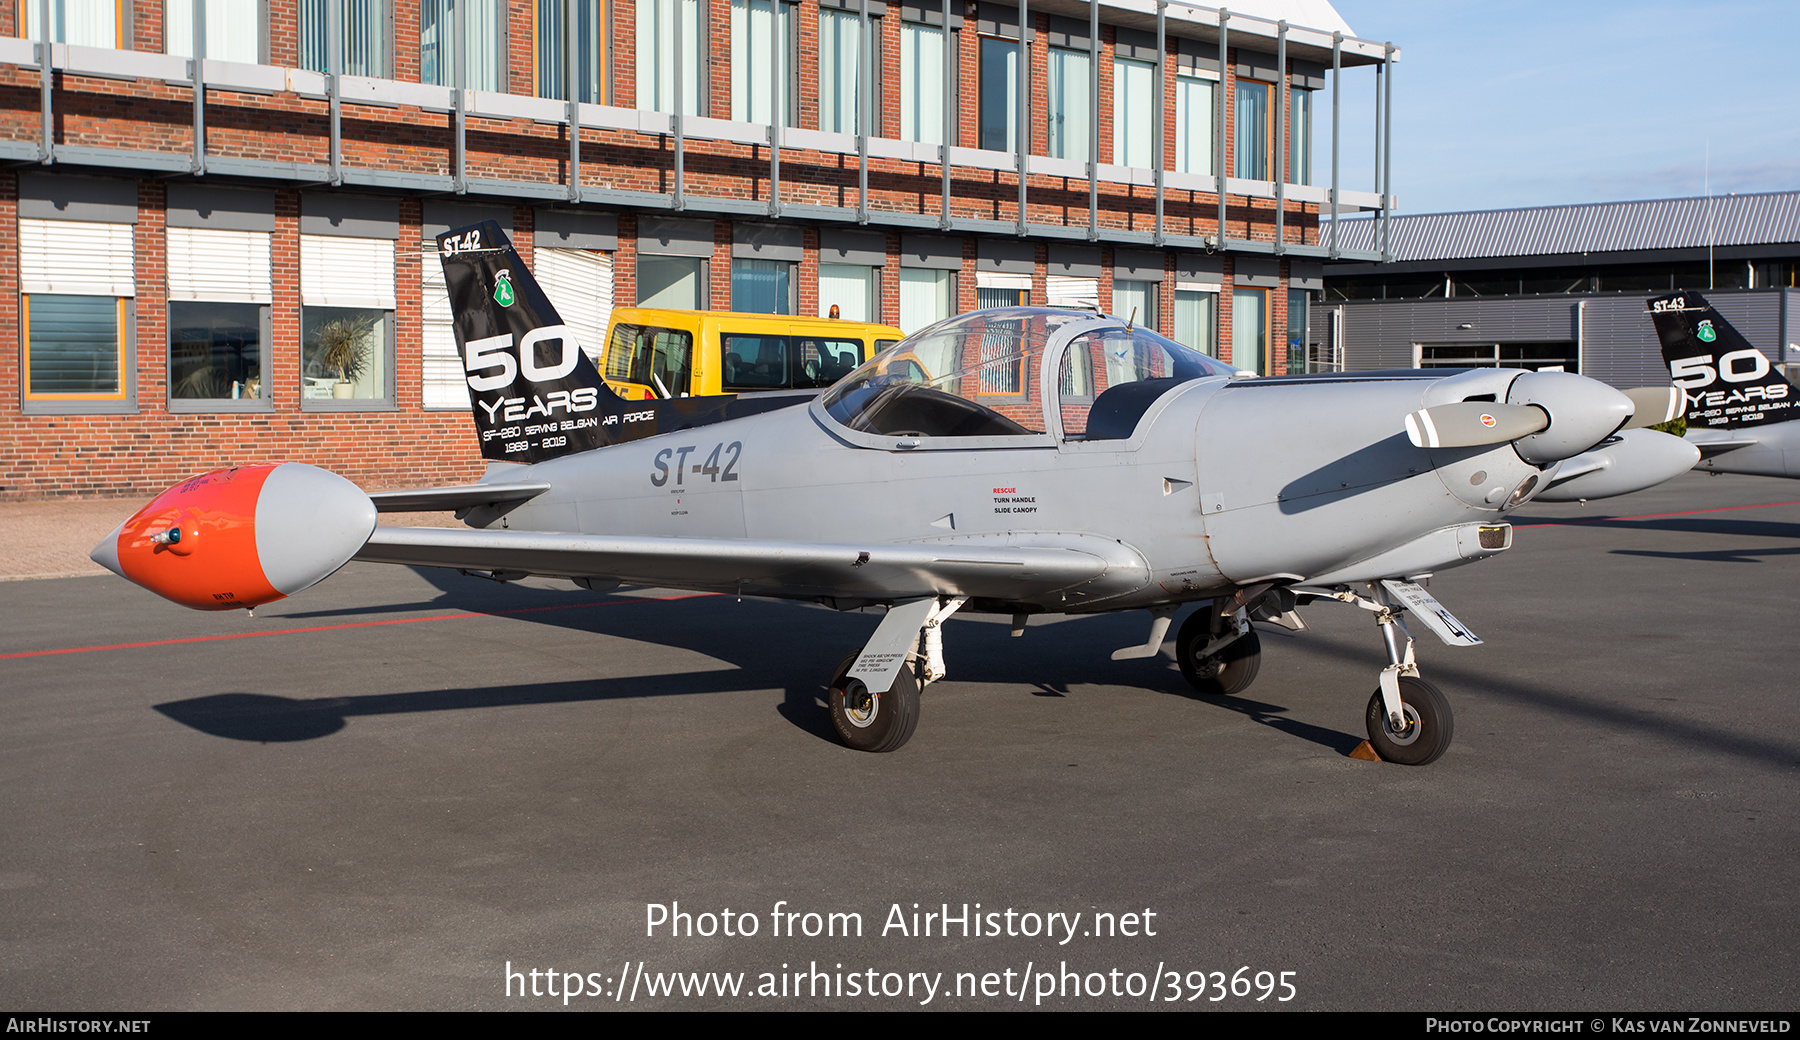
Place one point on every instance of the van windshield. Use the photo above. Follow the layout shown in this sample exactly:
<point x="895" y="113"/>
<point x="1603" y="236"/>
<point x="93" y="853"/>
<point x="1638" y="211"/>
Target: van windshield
<point x="659" y="358"/>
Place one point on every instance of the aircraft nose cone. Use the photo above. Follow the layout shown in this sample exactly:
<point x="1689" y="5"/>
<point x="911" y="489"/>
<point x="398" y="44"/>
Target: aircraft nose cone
<point x="106" y="554"/>
<point x="1583" y="412"/>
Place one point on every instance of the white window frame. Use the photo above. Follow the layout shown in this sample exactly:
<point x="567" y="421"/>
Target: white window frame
<point x="358" y="273"/>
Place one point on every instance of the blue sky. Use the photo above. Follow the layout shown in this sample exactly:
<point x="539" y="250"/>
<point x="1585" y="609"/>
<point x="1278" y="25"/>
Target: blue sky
<point x="1530" y="103"/>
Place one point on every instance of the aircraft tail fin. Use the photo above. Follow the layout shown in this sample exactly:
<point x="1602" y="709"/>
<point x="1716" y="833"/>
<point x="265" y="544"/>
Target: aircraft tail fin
<point x="534" y="392"/>
<point x="1728" y="382"/>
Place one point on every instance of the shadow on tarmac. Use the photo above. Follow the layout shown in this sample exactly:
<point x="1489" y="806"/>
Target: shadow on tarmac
<point x="720" y="627"/>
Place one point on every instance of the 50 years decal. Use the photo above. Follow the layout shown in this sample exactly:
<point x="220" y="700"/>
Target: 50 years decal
<point x="718" y="466"/>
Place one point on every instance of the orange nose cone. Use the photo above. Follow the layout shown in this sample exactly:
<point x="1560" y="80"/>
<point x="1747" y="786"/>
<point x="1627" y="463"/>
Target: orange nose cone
<point x="196" y="543"/>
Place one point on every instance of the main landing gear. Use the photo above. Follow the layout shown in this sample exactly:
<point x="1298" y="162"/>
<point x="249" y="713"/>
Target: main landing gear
<point x="1219" y="654"/>
<point x="874" y="692"/>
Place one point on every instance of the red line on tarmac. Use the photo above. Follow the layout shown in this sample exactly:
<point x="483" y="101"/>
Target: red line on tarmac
<point x="354" y="624"/>
<point x="1654" y="516"/>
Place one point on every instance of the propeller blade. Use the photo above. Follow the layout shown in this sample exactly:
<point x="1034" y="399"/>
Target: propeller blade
<point x="1468" y="424"/>
<point x="1653" y="404"/>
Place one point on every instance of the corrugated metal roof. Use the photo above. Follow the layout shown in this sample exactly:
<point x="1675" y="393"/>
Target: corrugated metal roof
<point x="1771" y="218"/>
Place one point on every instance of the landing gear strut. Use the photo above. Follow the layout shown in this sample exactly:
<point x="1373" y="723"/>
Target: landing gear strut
<point x="1408" y="719"/>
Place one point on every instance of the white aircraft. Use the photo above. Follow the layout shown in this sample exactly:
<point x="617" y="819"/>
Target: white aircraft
<point x="1013" y="461"/>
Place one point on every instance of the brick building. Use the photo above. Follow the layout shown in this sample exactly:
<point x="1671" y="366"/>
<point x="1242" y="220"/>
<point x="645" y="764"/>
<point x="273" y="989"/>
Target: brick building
<point x="236" y="266"/>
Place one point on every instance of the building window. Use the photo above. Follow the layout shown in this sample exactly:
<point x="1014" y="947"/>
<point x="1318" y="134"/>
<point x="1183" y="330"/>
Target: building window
<point x="364" y="33"/>
<point x="77" y="280"/>
<point x="346" y="321"/>
<point x="926" y="296"/>
<point x="1194" y="138"/>
<point x="1135" y="301"/>
<point x="675" y="282"/>
<point x="1250" y="330"/>
<point x="216" y="352"/>
<point x="762" y="286"/>
<point x="999" y="94"/>
<point x="762" y="61"/>
<point x="1001" y="289"/>
<point x="552" y="53"/>
<point x="656" y="55"/>
<point x="921" y="83"/>
<point x="1251" y="141"/>
<point x="1300" y="137"/>
<point x="85" y="23"/>
<point x="853" y="289"/>
<point x="1070" y="119"/>
<point x="1196" y="321"/>
<point x="485" y="25"/>
<point x="1067" y="291"/>
<point x="840" y="48"/>
<point x="75" y="348"/>
<point x="1298" y="300"/>
<point x="1134" y="112"/>
<point x="233" y="30"/>
<point x="219" y="298"/>
<point x="579" y="283"/>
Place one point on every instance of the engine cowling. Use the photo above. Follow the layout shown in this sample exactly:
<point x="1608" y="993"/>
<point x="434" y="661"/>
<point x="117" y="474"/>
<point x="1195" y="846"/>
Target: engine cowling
<point x="240" y="537"/>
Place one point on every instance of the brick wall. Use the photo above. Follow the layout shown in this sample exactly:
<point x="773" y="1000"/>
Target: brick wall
<point x="142" y="452"/>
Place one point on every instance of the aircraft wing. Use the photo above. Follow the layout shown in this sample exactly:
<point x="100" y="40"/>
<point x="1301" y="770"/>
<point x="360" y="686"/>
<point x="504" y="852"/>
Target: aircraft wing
<point x="1082" y="568"/>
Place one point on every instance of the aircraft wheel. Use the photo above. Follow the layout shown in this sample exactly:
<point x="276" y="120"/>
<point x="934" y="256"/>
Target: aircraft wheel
<point x="1227" y="672"/>
<point x="873" y="721"/>
<point x="1429" y="725"/>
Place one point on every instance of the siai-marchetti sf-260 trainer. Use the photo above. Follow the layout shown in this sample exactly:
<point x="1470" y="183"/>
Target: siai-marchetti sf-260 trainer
<point x="1013" y="461"/>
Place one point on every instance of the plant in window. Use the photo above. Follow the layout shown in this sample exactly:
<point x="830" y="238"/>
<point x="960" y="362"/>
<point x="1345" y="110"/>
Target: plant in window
<point x="341" y="347"/>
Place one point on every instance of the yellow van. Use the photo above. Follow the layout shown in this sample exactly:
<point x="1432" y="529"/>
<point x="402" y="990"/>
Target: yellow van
<point x="653" y="353"/>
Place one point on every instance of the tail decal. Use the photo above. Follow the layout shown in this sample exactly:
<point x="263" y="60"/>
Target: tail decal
<point x="534" y="393"/>
<point x="1728" y="382"/>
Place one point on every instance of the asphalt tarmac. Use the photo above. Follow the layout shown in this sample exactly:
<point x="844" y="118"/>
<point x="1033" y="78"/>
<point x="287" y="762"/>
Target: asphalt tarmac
<point x="412" y="790"/>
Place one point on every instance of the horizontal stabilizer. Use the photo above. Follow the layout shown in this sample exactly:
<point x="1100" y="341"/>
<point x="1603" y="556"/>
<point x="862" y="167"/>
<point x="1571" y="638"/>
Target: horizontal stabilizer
<point x="461" y="496"/>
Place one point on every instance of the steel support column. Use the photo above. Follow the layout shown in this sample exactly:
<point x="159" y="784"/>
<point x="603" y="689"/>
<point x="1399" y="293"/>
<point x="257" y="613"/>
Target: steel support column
<point x="1022" y="139"/>
<point x="949" y="133"/>
<point x="1337" y="73"/>
<point x="1387" y="156"/>
<point x="863" y="114"/>
<point x="573" y="20"/>
<point x="46" y="79"/>
<point x="334" y="50"/>
<point x="776" y="116"/>
<point x="1161" y="85"/>
<point x="1093" y="165"/>
<point x="198" y="73"/>
<point x="1225" y="80"/>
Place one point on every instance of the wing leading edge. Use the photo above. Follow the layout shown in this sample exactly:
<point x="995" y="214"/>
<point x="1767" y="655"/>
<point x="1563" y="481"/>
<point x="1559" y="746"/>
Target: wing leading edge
<point x="1078" y="569"/>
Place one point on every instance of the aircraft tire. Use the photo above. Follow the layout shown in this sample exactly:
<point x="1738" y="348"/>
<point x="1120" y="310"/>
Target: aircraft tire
<point x="886" y="722"/>
<point x="1228" y="672"/>
<point x="1430" y="725"/>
